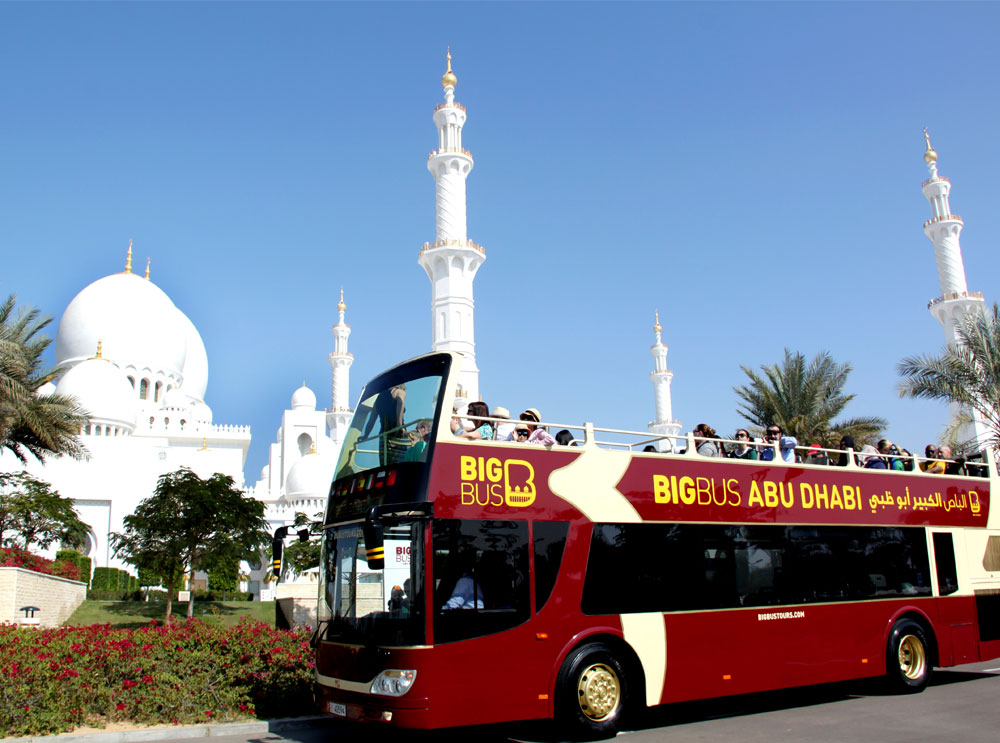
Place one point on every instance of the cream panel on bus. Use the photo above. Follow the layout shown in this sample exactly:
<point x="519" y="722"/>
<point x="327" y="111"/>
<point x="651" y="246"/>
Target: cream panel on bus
<point x="588" y="484"/>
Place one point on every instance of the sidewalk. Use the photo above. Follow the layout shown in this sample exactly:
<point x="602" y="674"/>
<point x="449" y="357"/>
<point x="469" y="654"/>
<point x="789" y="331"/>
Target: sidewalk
<point x="173" y="732"/>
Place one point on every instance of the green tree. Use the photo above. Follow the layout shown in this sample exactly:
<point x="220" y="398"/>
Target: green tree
<point x="224" y="575"/>
<point x="191" y="524"/>
<point x="28" y="423"/>
<point x="804" y="399"/>
<point x="301" y="556"/>
<point x="32" y="513"/>
<point x="967" y="374"/>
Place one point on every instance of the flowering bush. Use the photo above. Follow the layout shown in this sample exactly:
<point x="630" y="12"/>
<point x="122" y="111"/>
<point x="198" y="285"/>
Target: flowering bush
<point x="15" y="557"/>
<point x="54" y="680"/>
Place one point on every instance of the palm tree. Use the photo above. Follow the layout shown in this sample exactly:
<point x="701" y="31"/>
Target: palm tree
<point x="967" y="373"/>
<point x="29" y="423"/>
<point x="804" y="400"/>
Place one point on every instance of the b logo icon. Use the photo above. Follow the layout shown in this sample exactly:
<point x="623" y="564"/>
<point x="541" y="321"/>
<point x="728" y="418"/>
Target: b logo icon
<point x="519" y="483"/>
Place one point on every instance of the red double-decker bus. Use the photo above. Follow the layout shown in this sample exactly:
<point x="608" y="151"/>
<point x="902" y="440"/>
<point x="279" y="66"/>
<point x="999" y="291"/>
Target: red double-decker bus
<point x="469" y="581"/>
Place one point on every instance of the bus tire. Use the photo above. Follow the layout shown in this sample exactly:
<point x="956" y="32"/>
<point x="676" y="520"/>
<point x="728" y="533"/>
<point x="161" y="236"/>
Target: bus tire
<point x="908" y="657"/>
<point x="591" y="692"/>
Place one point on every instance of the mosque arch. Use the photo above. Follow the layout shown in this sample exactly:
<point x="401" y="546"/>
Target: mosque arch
<point x="305" y="443"/>
<point x="144" y="389"/>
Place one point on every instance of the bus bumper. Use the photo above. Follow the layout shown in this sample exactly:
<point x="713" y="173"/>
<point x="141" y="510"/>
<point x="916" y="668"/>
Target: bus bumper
<point x="365" y="708"/>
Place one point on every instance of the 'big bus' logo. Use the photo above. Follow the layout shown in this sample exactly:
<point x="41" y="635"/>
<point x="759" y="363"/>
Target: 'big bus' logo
<point x="486" y="481"/>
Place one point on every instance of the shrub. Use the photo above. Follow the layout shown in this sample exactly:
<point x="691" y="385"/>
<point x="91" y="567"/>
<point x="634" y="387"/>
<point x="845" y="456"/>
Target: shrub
<point x="113" y="579"/>
<point x="82" y="563"/>
<point x="15" y="557"/>
<point x="54" y="680"/>
<point x="211" y="595"/>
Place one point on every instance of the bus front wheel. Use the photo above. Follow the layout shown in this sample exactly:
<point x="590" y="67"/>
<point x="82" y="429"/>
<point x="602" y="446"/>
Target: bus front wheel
<point x="591" y="692"/>
<point x="908" y="657"/>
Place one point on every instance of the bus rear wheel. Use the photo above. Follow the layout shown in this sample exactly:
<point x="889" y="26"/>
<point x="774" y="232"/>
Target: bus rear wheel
<point x="908" y="657"/>
<point x="591" y="693"/>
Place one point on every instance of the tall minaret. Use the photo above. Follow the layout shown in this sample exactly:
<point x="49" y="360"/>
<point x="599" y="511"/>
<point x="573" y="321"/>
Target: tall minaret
<point x="451" y="261"/>
<point x="956" y="301"/>
<point x="664" y="425"/>
<point x="338" y="418"/>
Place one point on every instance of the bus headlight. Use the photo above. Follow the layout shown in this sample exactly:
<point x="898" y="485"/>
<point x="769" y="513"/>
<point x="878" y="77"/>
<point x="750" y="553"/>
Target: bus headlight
<point x="393" y="683"/>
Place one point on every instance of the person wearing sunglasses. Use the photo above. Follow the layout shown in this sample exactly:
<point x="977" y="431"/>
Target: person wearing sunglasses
<point x="786" y="444"/>
<point x="537" y="434"/>
<point x="743" y="449"/>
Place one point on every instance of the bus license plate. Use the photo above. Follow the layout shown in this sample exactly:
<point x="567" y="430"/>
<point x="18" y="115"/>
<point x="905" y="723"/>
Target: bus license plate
<point x="338" y="709"/>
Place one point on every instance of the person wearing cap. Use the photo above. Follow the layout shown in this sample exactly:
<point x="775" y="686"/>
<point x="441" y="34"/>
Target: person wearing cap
<point x="536" y="434"/>
<point x="505" y="431"/>
<point x="816" y="455"/>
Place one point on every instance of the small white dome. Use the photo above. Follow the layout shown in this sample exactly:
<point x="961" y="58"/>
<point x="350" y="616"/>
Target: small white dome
<point x="201" y="412"/>
<point x="135" y="320"/>
<point x="303" y="399"/>
<point x="101" y="389"/>
<point x="49" y="388"/>
<point x="310" y="477"/>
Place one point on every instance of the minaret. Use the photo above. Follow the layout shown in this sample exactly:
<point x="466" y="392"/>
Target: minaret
<point x="338" y="418"/>
<point x="664" y="425"/>
<point x="956" y="301"/>
<point x="451" y="261"/>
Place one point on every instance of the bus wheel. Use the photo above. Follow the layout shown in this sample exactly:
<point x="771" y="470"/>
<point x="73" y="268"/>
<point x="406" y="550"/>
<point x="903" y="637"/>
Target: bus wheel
<point x="591" y="691"/>
<point x="908" y="659"/>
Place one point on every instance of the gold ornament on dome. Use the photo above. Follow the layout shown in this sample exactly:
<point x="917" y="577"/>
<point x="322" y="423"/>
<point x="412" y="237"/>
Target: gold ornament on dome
<point x="449" y="77"/>
<point x="657" y="328"/>
<point x="128" y="257"/>
<point x="930" y="156"/>
<point x="340" y="305"/>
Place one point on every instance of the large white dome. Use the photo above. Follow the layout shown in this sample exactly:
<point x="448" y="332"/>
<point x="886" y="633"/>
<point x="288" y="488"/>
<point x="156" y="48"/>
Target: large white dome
<point x="195" y="360"/>
<point x="136" y="322"/>
<point x="102" y="390"/>
<point x="310" y="477"/>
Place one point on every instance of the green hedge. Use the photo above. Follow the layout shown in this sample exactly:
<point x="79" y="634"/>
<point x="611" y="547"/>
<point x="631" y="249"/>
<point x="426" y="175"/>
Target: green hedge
<point x="83" y="564"/>
<point x="111" y="584"/>
<point x="211" y="595"/>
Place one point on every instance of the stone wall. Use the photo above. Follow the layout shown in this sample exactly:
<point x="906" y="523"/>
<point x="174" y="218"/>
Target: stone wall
<point x="297" y="602"/>
<point x="56" y="598"/>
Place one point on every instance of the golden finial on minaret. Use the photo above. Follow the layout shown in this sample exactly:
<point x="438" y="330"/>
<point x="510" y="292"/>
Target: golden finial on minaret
<point x="98" y="354"/>
<point x="449" y="77"/>
<point x="147" y="268"/>
<point x="128" y="258"/>
<point x="340" y="305"/>
<point x="204" y="444"/>
<point x="656" y="327"/>
<point x="930" y="156"/>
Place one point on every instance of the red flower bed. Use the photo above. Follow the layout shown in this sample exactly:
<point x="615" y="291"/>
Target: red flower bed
<point x="54" y="680"/>
<point x="15" y="557"/>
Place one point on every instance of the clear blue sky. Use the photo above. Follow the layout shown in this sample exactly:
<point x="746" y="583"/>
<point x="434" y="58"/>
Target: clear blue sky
<point x="752" y="170"/>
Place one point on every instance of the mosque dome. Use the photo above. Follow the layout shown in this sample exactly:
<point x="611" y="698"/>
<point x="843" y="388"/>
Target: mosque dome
<point x="135" y="320"/>
<point x="201" y="412"/>
<point x="304" y="399"/>
<point x="49" y="388"/>
<point x="310" y="477"/>
<point x="102" y="390"/>
<point x="195" y="360"/>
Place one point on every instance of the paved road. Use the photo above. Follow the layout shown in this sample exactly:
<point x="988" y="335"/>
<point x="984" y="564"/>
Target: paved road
<point x="961" y="706"/>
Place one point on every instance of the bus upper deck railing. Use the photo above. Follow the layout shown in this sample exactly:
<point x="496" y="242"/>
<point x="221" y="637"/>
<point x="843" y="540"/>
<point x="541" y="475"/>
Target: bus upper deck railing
<point x="684" y="445"/>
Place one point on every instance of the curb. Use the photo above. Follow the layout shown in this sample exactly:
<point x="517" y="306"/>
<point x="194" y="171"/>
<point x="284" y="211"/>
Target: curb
<point x="176" y="732"/>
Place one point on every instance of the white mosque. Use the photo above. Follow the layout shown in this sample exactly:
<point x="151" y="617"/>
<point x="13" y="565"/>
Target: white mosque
<point x="142" y="374"/>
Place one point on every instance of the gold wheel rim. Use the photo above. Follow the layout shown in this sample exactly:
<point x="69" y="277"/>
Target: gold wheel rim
<point x="912" y="657"/>
<point x="599" y="692"/>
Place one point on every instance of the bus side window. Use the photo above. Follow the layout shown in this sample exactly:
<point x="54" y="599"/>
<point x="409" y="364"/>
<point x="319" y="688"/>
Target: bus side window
<point x="550" y="540"/>
<point x="944" y="562"/>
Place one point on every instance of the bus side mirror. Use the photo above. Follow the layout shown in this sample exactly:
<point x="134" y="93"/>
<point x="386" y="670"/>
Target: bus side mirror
<point x="374" y="543"/>
<point x="277" y="545"/>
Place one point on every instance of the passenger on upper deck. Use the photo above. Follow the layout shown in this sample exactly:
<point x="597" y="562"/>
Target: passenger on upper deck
<point x="846" y="442"/>
<point x="537" y="434"/>
<point x="887" y="449"/>
<point x="952" y="465"/>
<point x="505" y="431"/>
<point x="870" y="459"/>
<point x="816" y="455"/>
<point x="564" y="438"/>
<point x="933" y="464"/>
<point x="786" y="444"/>
<point x="483" y="430"/>
<point x="743" y="449"/>
<point x="418" y="449"/>
<point x="704" y="440"/>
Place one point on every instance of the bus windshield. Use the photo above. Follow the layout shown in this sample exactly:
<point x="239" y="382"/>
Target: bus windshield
<point x="373" y="606"/>
<point x="394" y="421"/>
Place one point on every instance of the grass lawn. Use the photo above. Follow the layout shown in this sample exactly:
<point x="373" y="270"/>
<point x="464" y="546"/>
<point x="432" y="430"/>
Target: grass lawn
<point x="138" y="613"/>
